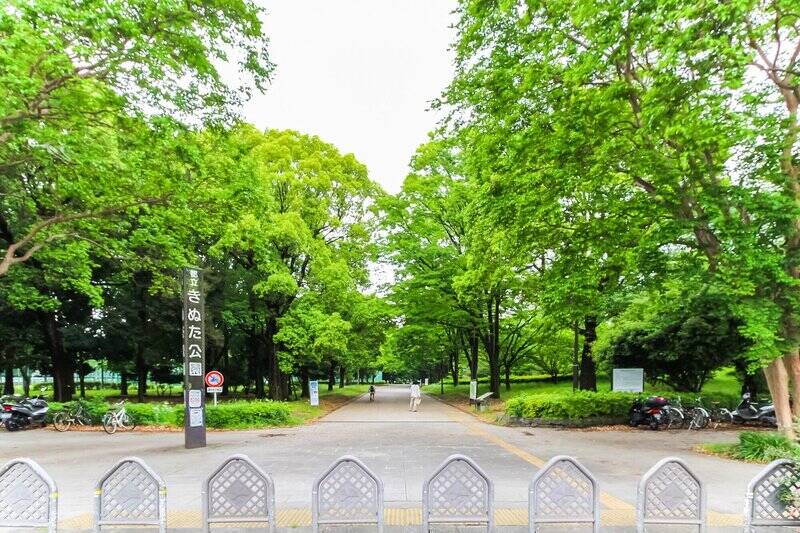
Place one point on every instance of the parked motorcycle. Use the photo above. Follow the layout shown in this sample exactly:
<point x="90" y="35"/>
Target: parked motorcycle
<point x="5" y="406"/>
<point x="27" y="412"/>
<point x="750" y="411"/>
<point x="650" y="411"/>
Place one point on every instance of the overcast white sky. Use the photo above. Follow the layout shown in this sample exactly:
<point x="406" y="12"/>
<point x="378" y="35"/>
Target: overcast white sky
<point x="358" y="73"/>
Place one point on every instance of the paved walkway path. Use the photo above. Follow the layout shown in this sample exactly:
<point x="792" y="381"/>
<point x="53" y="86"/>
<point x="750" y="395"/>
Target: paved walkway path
<point x="402" y="447"/>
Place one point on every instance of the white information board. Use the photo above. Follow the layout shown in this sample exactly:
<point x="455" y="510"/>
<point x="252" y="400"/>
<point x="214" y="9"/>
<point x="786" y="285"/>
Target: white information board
<point x="195" y="398"/>
<point x="473" y="390"/>
<point x="628" y="379"/>
<point x="195" y="418"/>
<point x="313" y="392"/>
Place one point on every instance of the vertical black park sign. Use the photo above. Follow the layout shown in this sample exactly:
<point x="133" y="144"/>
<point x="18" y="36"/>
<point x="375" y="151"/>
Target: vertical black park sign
<point x="194" y="337"/>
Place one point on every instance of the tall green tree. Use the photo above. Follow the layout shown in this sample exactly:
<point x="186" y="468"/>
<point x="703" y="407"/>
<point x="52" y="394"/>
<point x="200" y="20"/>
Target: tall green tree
<point x="94" y="102"/>
<point x="660" y="100"/>
<point x="68" y="70"/>
<point x="290" y="206"/>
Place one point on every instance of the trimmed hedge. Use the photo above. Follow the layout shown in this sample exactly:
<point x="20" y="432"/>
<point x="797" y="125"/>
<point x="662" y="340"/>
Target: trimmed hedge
<point x="226" y="415"/>
<point x="243" y="415"/>
<point x="570" y="406"/>
<point x="587" y="404"/>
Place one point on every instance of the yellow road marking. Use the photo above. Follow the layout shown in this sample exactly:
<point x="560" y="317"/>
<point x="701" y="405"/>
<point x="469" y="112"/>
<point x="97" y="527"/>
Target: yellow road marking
<point x="617" y="512"/>
<point x="609" y="501"/>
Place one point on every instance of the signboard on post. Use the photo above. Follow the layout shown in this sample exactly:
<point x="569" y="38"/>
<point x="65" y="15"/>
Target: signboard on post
<point x="313" y="392"/>
<point x="473" y="390"/>
<point x="194" y="421"/>
<point x="628" y="379"/>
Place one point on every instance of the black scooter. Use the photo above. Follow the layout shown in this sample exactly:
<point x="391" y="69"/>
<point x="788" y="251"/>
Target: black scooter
<point x="649" y="412"/>
<point x="749" y="411"/>
<point x="28" y="412"/>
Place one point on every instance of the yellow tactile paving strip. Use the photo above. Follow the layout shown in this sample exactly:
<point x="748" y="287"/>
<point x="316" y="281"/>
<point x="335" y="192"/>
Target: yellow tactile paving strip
<point x="511" y="516"/>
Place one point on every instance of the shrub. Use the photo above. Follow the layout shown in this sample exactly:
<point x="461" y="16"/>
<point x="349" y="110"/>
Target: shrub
<point x="581" y="404"/>
<point x="585" y="404"/>
<point x="228" y="415"/>
<point x="243" y="414"/>
<point x="765" y="447"/>
<point x="154" y="414"/>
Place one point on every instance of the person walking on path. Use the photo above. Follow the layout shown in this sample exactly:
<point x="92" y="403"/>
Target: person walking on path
<point x="416" y="397"/>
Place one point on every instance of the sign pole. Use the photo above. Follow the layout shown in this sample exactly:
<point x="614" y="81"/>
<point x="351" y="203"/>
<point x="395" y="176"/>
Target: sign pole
<point x="194" y="398"/>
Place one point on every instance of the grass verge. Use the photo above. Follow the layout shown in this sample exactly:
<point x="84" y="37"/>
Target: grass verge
<point x="228" y="414"/>
<point x="755" y="447"/>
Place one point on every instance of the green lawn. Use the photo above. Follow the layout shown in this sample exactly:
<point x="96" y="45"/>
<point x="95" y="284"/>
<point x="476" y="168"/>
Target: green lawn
<point x="723" y="387"/>
<point x="347" y="390"/>
<point x="723" y="382"/>
<point x="303" y="412"/>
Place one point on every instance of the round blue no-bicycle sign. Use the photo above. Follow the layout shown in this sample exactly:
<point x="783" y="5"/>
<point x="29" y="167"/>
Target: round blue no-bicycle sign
<point x="214" y="379"/>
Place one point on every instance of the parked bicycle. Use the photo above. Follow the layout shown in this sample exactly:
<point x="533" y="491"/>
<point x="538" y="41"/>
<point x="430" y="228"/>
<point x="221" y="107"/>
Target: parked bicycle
<point x="117" y="417"/>
<point x="697" y="416"/>
<point x="720" y="415"/>
<point x="674" y="416"/>
<point x="77" y="414"/>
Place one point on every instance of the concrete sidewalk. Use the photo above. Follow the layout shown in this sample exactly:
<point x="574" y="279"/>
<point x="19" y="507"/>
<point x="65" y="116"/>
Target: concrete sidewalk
<point x="401" y="447"/>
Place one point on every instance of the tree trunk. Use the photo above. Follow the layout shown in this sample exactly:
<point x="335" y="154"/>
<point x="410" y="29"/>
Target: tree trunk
<point x="492" y="344"/>
<point x="778" y="383"/>
<point x="63" y="380"/>
<point x="289" y="381"/>
<point x="82" y="381"/>
<point x="588" y="378"/>
<point x="8" y="385"/>
<point x="304" y="388"/>
<point x="575" y="368"/>
<point x="471" y="351"/>
<point x="331" y="376"/>
<point x="286" y="385"/>
<point x="508" y="378"/>
<point x="141" y="373"/>
<point x="226" y="357"/>
<point x="123" y="384"/>
<point x="255" y="370"/>
<point x="342" y="371"/>
<point x="792" y="363"/>
<point x="26" y="380"/>
<point x="454" y="369"/>
<point x="276" y="385"/>
<point x="442" y="374"/>
<point x="787" y="369"/>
